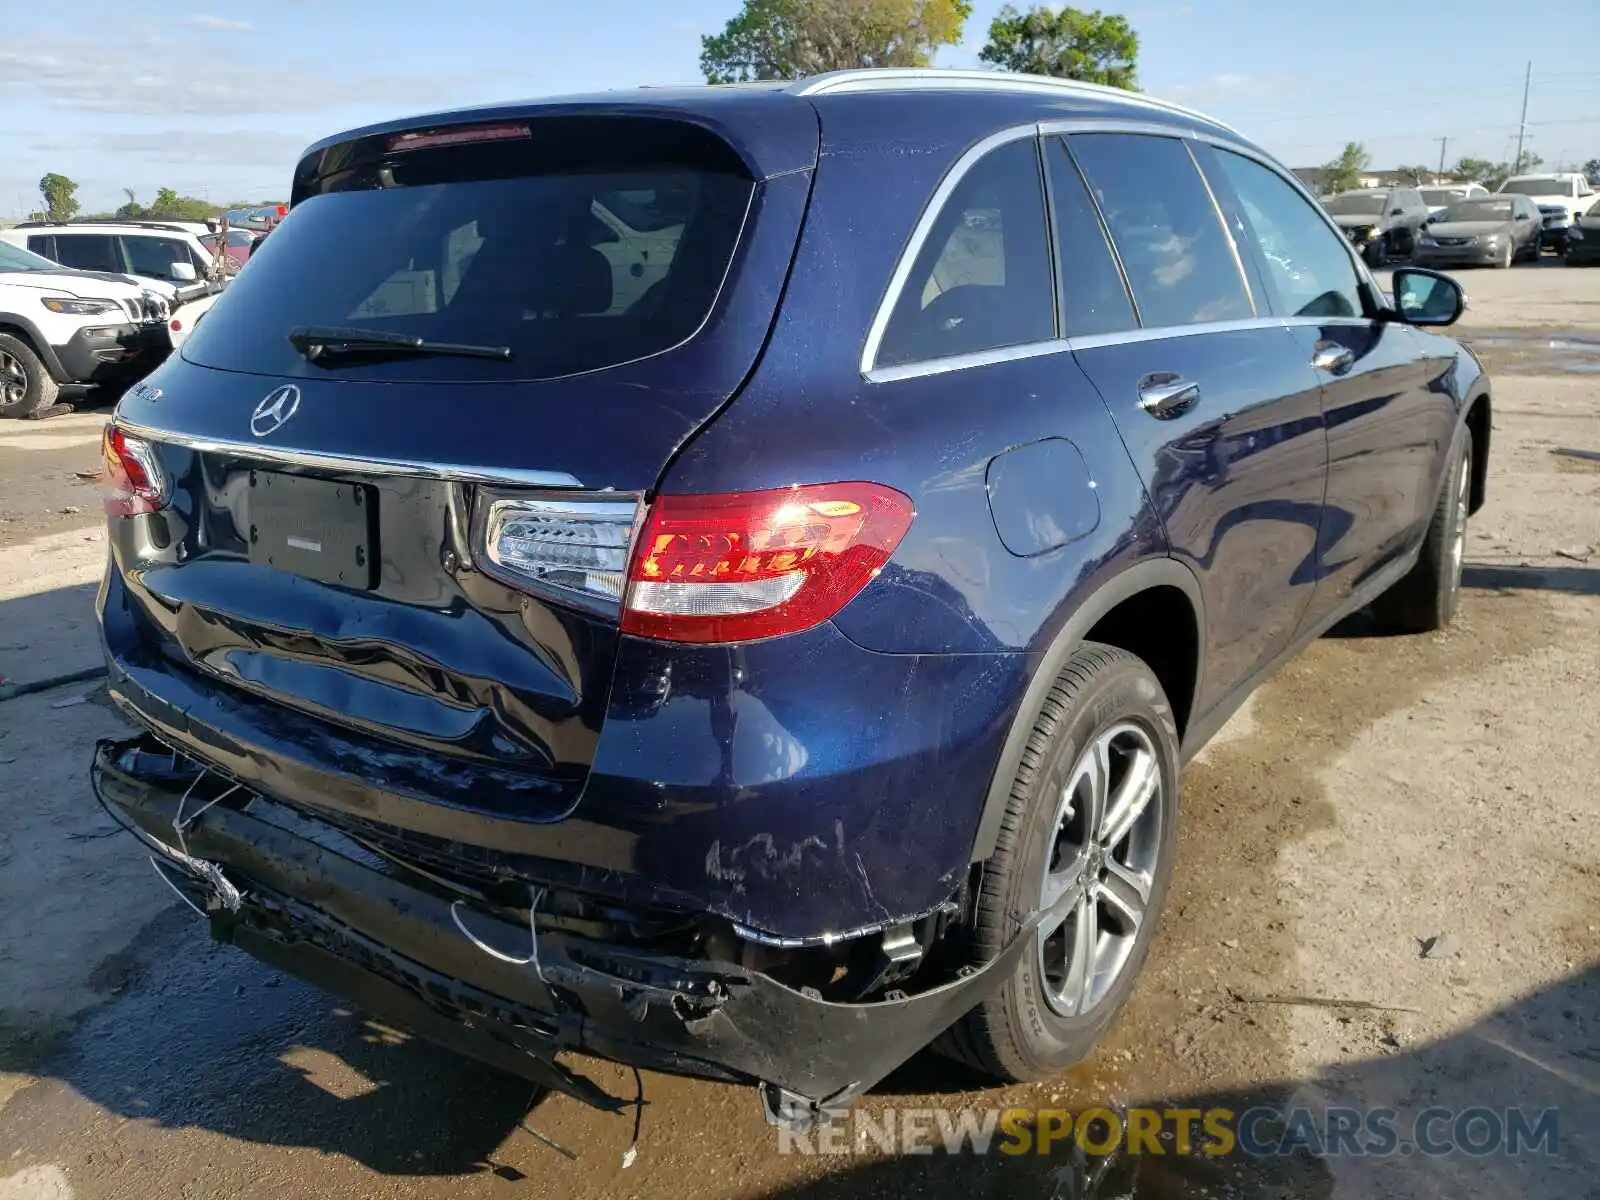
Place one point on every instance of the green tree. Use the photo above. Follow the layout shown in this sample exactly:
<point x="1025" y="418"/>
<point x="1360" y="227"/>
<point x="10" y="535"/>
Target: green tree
<point x="1474" y="170"/>
<point x="132" y="210"/>
<point x="60" y="201"/>
<point x="1344" y="172"/>
<point x="1068" y="43"/>
<point x="1414" y="174"/>
<point x="1591" y="170"/>
<point x="789" y="39"/>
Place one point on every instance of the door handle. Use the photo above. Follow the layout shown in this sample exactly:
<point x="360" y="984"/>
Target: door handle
<point x="1332" y="358"/>
<point x="1164" y="395"/>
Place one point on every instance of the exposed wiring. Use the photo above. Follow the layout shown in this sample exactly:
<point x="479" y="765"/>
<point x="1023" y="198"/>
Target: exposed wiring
<point x="533" y="936"/>
<point x="176" y="890"/>
<point x="632" y="1152"/>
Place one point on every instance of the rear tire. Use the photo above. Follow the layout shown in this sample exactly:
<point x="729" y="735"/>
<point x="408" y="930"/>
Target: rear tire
<point x="1106" y="730"/>
<point x="26" y="387"/>
<point x="1429" y="595"/>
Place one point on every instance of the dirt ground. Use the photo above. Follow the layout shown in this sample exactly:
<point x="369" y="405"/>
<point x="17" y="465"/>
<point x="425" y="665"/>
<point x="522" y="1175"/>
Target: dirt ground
<point x="1380" y="792"/>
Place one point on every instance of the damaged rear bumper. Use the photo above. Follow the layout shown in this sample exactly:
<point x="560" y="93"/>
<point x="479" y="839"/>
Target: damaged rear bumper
<point x="302" y="896"/>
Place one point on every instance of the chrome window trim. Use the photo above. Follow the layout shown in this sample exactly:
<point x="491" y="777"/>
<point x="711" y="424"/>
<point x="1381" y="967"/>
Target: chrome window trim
<point x="931" y="212"/>
<point x="1067" y="345"/>
<point x="318" y="460"/>
<point x="963" y="362"/>
<point x="1161" y="333"/>
<point x="896" y="79"/>
<point x="873" y="373"/>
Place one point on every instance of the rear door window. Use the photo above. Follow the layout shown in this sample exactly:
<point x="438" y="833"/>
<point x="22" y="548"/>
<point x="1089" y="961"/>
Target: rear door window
<point x="1179" y="260"/>
<point x="88" y="252"/>
<point x="982" y="279"/>
<point x="577" y="253"/>
<point x="1093" y="296"/>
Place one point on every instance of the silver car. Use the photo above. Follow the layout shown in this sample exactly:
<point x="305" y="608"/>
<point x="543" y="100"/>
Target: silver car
<point x="1492" y="231"/>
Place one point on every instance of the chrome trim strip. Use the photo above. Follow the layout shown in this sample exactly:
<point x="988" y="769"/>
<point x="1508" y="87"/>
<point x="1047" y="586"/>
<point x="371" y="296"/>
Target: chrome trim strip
<point x="317" y="460"/>
<point x="984" y="358"/>
<point x="1163" y="332"/>
<point x="919" y="234"/>
<point x="896" y="79"/>
<point x="962" y="362"/>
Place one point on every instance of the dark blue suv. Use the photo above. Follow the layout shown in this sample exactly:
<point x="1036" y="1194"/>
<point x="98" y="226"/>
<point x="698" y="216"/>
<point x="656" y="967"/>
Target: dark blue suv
<point x="724" y="579"/>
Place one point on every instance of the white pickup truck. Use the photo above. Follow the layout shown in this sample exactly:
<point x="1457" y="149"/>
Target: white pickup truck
<point x="64" y="331"/>
<point x="1562" y="197"/>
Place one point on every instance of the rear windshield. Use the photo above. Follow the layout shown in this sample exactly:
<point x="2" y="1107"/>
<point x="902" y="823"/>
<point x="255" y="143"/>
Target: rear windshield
<point x="1536" y="187"/>
<point x="577" y="248"/>
<point x="1364" y="205"/>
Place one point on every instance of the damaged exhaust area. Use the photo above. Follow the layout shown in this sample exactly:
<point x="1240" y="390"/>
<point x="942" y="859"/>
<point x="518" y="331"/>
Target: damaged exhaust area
<point x="516" y="973"/>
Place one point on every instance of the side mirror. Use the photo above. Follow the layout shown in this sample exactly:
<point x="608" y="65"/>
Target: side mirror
<point x="1396" y="212"/>
<point x="1423" y="297"/>
<point x="183" y="272"/>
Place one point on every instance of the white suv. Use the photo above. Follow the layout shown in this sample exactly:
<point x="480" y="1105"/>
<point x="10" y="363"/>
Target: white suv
<point x="166" y="253"/>
<point x="64" y="330"/>
<point x="1562" y="197"/>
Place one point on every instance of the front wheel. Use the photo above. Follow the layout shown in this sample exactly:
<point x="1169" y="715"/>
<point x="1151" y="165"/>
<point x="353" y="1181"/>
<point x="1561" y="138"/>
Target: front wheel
<point x="1429" y="595"/>
<point x="1088" y="839"/>
<point x="1506" y="256"/>
<point x="26" y="387"/>
<point x="1375" y="252"/>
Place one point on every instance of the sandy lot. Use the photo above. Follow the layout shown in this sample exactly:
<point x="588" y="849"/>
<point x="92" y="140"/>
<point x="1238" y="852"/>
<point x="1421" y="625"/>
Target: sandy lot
<point x="1379" y="793"/>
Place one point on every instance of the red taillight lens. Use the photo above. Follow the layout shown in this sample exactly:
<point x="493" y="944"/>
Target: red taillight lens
<point x="134" y="482"/>
<point x="746" y="565"/>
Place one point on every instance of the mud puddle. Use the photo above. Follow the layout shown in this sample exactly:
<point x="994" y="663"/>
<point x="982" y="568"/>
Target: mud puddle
<point x="1535" y="352"/>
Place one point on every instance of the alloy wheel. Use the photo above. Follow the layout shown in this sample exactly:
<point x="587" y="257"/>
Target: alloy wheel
<point x="1100" y="869"/>
<point x="1458" y="538"/>
<point x="13" y="379"/>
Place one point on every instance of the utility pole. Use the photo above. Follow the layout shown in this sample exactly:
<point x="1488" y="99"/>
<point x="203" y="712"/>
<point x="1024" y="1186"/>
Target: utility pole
<point x="1443" y="142"/>
<point x="1522" y="126"/>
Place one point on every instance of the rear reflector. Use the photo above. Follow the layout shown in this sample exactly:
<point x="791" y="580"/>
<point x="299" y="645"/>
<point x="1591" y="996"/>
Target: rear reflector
<point x="134" y="480"/>
<point x="746" y="565"/>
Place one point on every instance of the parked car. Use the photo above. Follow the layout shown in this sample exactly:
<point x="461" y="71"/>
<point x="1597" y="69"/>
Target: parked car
<point x="237" y="243"/>
<point x="1383" y="223"/>
<point x="763" y="678"/>
<point x="1491" y="231"/>
<point x="1583" y="239"/>
<point x="65" y="331"/>
<point x="166" y="254"/>
<point x="1442" y="196"/>
<point x="1561" y="196"/>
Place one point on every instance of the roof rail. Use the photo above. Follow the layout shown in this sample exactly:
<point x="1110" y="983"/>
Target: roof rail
<point x="885" y="79"/>
<point x="173" y="226"/>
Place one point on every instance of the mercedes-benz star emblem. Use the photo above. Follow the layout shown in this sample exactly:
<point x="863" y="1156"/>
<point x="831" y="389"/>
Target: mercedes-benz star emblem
<point x="276" y="407"/>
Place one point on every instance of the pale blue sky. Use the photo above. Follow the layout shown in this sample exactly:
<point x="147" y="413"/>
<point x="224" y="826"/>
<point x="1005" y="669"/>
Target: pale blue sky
<point x="219" y="101"/>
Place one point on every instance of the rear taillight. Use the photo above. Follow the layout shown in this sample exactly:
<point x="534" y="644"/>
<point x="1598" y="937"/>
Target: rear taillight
<point x="746" y="565"/>
<point x="135" y="483"/>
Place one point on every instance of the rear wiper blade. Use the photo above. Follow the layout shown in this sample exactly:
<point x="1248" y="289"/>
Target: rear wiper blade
<point x="318" y="342"/>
